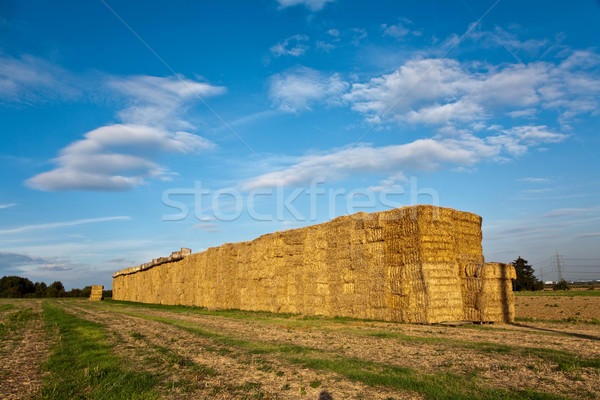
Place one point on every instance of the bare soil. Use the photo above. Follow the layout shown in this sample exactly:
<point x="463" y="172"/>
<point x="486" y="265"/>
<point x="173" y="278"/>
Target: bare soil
<point x="558" y="307"/>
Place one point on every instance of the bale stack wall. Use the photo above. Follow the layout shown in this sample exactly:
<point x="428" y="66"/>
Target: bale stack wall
<point x="408" y="264"/>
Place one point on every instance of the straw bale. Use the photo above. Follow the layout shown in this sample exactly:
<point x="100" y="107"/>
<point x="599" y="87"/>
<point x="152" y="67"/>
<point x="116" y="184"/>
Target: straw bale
<point x="97" y="293"/>
<point x="419" y="264"/>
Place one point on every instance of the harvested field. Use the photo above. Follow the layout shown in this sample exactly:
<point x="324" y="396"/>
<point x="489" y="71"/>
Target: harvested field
<point x="155" y="351"/>
<point x="574" y="306"/>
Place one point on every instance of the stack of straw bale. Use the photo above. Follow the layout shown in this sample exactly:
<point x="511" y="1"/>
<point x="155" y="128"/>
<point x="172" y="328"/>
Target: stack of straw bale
<point x="419" y="264"/>
<point x="97" y="293"/>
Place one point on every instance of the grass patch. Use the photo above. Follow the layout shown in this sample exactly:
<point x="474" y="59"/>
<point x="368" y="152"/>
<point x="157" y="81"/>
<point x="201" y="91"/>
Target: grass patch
<point x="442" y="386"/>
<point x="16" y="320"/>
<point x="82" y="364"/>
<point x="433" y="386"/>
<point x="5" y="307"/>
<point x="563" y="359"/>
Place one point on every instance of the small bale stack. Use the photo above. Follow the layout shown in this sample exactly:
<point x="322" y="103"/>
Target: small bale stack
<point x="97" y="293"/>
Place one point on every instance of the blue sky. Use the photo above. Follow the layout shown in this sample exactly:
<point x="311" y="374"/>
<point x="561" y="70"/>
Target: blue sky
<point x="131" y="129"/>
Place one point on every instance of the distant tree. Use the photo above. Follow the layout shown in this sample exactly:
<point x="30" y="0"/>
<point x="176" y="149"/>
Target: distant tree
<point x="15" y="286"/>
<point x="526" y="280"/>
<point x="40" y="289"/>
<point x="86" y="291"/>
<point x="74" y="293"/>
<point x="561" y="285"/>
<point x="107" y="293"/>
<point x="56" y="289"/>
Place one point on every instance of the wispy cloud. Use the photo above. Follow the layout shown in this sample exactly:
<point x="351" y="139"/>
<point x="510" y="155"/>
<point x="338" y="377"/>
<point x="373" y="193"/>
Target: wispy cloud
<point x="55" y="267"/>
<point x="29" y="79"/>
<point x="298" y="89"/>
<point x="400" y="30"/>
<point x="535" y="180"/>
<point x="159" y="101"/>
<point x="567" y="212"/>
<point x="210" y="227"/>
<point x="293" y="46"/>
<point x="588" y="235"/>
<point x="313" y="5"/>
<point x="26" y="228"/>
<point x="430" y="154"/>
<point x="7" y="205"/>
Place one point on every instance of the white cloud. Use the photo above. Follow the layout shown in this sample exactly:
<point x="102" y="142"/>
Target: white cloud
<point x="518" y="139"/>
<point x="441" y="91"/>
<point x="298" y="89"/>
<point x="292" y="46"/>
<point x="7" y="205"/>
<point x="160" y="101"/>
<point x="122" y="156"/>
<point x="313" y="5"/>
<point x="29" y="79"/>
<point x="462" y="151"/>
<point x="422" y="154"/>
<point x="114" y="158"/>
<point x="535" y="180"/>
<point x="509" y="40"/>
<point x="399" y="30"/>
<point x="568" y="212"/>
<point x="210" y="227"/>
<point x="26" y="228"/>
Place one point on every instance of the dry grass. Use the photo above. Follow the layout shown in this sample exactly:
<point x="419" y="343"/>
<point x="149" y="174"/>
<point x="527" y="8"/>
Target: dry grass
<point x="204" y="354"/>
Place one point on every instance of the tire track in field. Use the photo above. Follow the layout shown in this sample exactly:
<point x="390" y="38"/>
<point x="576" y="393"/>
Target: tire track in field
<point x="510" y="371"/>
<point x="22" y="352"/>
<point x="234" y="366"/>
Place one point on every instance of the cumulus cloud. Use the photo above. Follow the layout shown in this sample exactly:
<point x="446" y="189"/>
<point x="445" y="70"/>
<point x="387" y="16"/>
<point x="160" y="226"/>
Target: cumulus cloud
<point x="430" y="154"/>
<point x="313" y="5"/>
<point x="115" y="158"/>
<point x="299" y="88"/>
<point x="292" y="46"/>
<point x="122" y="156"/>
<point x="441" y="91"/>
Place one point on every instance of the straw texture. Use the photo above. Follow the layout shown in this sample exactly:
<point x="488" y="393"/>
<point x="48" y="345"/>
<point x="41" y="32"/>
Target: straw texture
<point x="96" y="294"/>
<point x="420" y="264"/>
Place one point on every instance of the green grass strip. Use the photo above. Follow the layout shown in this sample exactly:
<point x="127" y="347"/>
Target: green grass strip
<point x="16" y="320"/>
<point x="442" y="386"/>
<point x="5" y="307"/>
<point x="82" y="365"/>
<point x="563" y="359"/>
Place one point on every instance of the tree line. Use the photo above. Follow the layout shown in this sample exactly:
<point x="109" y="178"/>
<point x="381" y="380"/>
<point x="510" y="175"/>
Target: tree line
<point x="16" y="286"/>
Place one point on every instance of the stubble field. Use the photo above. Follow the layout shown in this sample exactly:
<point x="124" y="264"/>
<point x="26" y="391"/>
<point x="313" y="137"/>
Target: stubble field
<point x="68" y="348"/>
